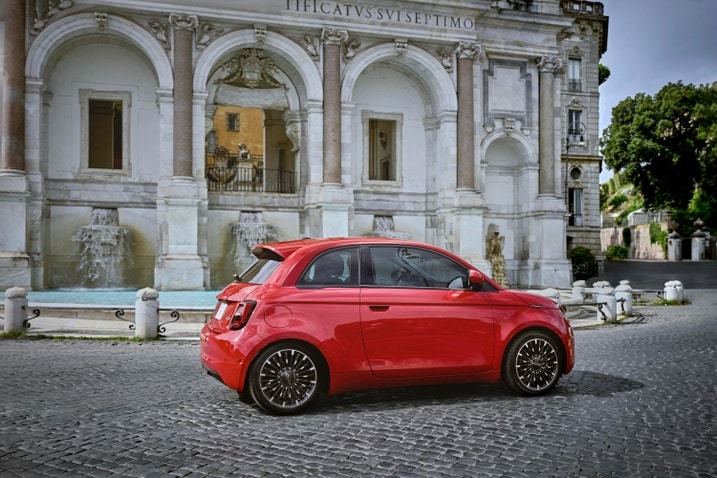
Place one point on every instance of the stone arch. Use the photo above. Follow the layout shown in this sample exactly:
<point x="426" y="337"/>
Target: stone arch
<point x="290" y="58"/>
<point x="83" y="29"/>
<point x="517" y="143"/>
<point x="427" y="71"/>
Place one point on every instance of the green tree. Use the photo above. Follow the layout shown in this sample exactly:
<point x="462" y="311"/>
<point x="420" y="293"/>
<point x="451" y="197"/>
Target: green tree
<point x="666" y="146"/>
<point x="603" y="73"/>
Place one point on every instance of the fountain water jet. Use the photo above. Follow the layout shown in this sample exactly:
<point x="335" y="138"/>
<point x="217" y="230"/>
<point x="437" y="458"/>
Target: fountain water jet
<point x="104" y="250"/>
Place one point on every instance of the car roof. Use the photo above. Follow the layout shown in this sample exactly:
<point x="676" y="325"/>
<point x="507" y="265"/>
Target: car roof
<point x="282" y="250"/>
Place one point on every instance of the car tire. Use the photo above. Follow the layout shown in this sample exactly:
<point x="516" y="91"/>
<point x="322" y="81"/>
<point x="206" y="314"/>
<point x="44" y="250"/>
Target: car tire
<point x="285" y="379"/>
<point x="532" y="364"/>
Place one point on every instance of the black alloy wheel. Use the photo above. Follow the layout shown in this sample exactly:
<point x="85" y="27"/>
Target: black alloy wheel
<point x="285" y="379"/>
<point x="533" y="364"/>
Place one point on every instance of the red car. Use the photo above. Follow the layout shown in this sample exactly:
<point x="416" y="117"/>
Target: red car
<point x="326" y="316"/>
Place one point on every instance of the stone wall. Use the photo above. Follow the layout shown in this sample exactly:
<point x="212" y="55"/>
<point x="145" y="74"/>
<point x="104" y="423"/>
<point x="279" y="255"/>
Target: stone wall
<point x="640" y="244"/>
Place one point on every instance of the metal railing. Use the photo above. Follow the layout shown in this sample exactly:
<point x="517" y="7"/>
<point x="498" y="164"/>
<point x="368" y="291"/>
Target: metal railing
<point x="242" y="178"/>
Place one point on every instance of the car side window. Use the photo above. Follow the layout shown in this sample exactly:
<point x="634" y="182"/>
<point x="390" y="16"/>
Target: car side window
<point x="335" y="268"/>
<point x="398" y="266"/>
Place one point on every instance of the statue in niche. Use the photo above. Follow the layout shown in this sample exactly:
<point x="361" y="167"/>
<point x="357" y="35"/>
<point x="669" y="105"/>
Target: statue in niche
<point x="494" y="243"/>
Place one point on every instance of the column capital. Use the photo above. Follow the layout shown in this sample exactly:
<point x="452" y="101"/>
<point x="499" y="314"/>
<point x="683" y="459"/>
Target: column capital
<point x="331" y="36"/>
<point x="181" y="21"/>
<point x="549" y="64"/>
<point x="468" y="50"/>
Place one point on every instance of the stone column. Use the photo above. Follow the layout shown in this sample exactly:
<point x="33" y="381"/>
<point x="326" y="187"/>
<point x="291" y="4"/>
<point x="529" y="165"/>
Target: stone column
<point x="179" y="265"/>
<point x="183" y="35"/>
<point x="467" y="53"/>
<point x="13" y="112"/>
<point x="547" y="66"/>
<point x="332" y="104"/>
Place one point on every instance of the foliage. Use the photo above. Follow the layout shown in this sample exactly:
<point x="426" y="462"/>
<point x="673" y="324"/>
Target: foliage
<point x="14" y="334"/>
<point x="666" y="146"/>
<point x="658" y="235"/>
<point x="603" y="73"/>
<point x="617" y="200"/>
<point x="584" y="263"/>
<point x="616" y="252"/>
<point x="627" y="236"/>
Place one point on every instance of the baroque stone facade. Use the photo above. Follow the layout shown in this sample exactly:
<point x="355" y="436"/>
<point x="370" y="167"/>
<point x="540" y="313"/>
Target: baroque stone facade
<point x="315" y="118"/>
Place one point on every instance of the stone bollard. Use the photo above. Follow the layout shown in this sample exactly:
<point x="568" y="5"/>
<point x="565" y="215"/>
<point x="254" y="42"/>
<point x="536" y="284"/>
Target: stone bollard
<point x="608" y="311"/>
<point x="15" y="307"/>
<point x="146" y="318"/>
<point x="623" y="297"/>
<point x="674" y="291"/>
<point x="578" y="293"/>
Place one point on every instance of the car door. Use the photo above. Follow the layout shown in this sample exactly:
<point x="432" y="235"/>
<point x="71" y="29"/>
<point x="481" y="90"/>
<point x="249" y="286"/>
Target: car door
<point x="418" y="317"/>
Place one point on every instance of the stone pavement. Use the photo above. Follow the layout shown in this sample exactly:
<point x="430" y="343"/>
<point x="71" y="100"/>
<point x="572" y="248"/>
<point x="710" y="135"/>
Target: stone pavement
<point x="640" y="403"/>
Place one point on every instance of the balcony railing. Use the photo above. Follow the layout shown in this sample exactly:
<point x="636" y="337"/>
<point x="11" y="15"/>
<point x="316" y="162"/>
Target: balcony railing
<point x="242" y="178"/>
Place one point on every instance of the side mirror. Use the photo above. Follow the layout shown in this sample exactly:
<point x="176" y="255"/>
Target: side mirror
<point x="475" y="279"/>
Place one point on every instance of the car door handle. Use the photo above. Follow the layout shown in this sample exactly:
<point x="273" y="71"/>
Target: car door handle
<point x="379" y="308"/>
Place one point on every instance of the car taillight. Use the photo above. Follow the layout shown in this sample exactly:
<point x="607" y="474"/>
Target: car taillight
<point x="242" y="314"/>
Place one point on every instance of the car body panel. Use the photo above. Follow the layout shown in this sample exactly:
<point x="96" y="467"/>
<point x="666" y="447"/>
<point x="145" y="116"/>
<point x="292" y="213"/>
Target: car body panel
<point x="374" y="335"/>
<point x="427" y="332"/>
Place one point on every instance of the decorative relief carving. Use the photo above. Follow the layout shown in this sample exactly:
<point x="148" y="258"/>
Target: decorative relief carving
<point x="259" y="35"/>
<point x="446" y="58"/>
<point x="334" y="37"/>
<point x="101" y="19"/>
<point x="509" y="125"/>
<point x="207" y="33"/>
<point x="160" y="33"/>
<point x="311" y="45"/>
<point x="44" y="11"/>
<point x="183" y="22"/>
<point x="401" y="46"/>
<point x="468" y="50"/>
<point x="575" y="103"/>
<point x="550" y="64"/>
<point x="251" y="69"/>
<point x="350" y="50"/>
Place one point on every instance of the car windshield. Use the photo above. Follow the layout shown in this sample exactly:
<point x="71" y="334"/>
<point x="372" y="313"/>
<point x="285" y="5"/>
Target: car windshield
<point x="259" y="271"/>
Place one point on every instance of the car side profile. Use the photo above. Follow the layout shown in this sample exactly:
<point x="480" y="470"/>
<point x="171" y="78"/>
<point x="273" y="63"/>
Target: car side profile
<point x="328" y="316"/>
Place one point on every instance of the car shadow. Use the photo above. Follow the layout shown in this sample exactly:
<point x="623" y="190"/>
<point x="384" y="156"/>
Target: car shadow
<point x="578" y="383"/>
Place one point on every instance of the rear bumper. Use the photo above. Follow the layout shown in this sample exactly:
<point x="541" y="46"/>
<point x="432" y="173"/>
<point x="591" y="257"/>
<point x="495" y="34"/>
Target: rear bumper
<point x="221" y="360"/>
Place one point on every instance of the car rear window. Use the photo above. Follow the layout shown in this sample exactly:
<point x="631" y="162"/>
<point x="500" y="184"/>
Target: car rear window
<point x="259" y="272"/>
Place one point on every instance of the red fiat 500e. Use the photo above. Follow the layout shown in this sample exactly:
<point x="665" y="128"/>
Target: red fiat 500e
<point x="326" y="316"/>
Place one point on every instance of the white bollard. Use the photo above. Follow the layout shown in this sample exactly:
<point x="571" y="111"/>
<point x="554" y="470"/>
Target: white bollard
<point x="146" y="318"/>
<point x="623" y="297"/>
<point x="674" y="291"/>
<point x="608" y="311"/>
<point x="578" y="292"/>
<point x="15" y="309"/>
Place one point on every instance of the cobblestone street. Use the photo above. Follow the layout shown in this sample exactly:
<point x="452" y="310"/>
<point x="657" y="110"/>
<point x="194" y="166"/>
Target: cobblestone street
<point x="641" y="402"/>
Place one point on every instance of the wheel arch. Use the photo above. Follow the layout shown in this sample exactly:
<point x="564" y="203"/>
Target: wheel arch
<point x="546" y="330"/>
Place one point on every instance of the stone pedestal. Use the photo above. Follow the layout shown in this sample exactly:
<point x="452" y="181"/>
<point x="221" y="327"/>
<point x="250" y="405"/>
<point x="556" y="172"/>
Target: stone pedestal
<point x="335" y="206"/>
<point x="547" y="266"/>
<point x="468" y="220"/>
<point x="674" y="247"/>
<point x="14" y="258"/>
<point x="179" y="266"/>
<point x="698" y="246"/>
